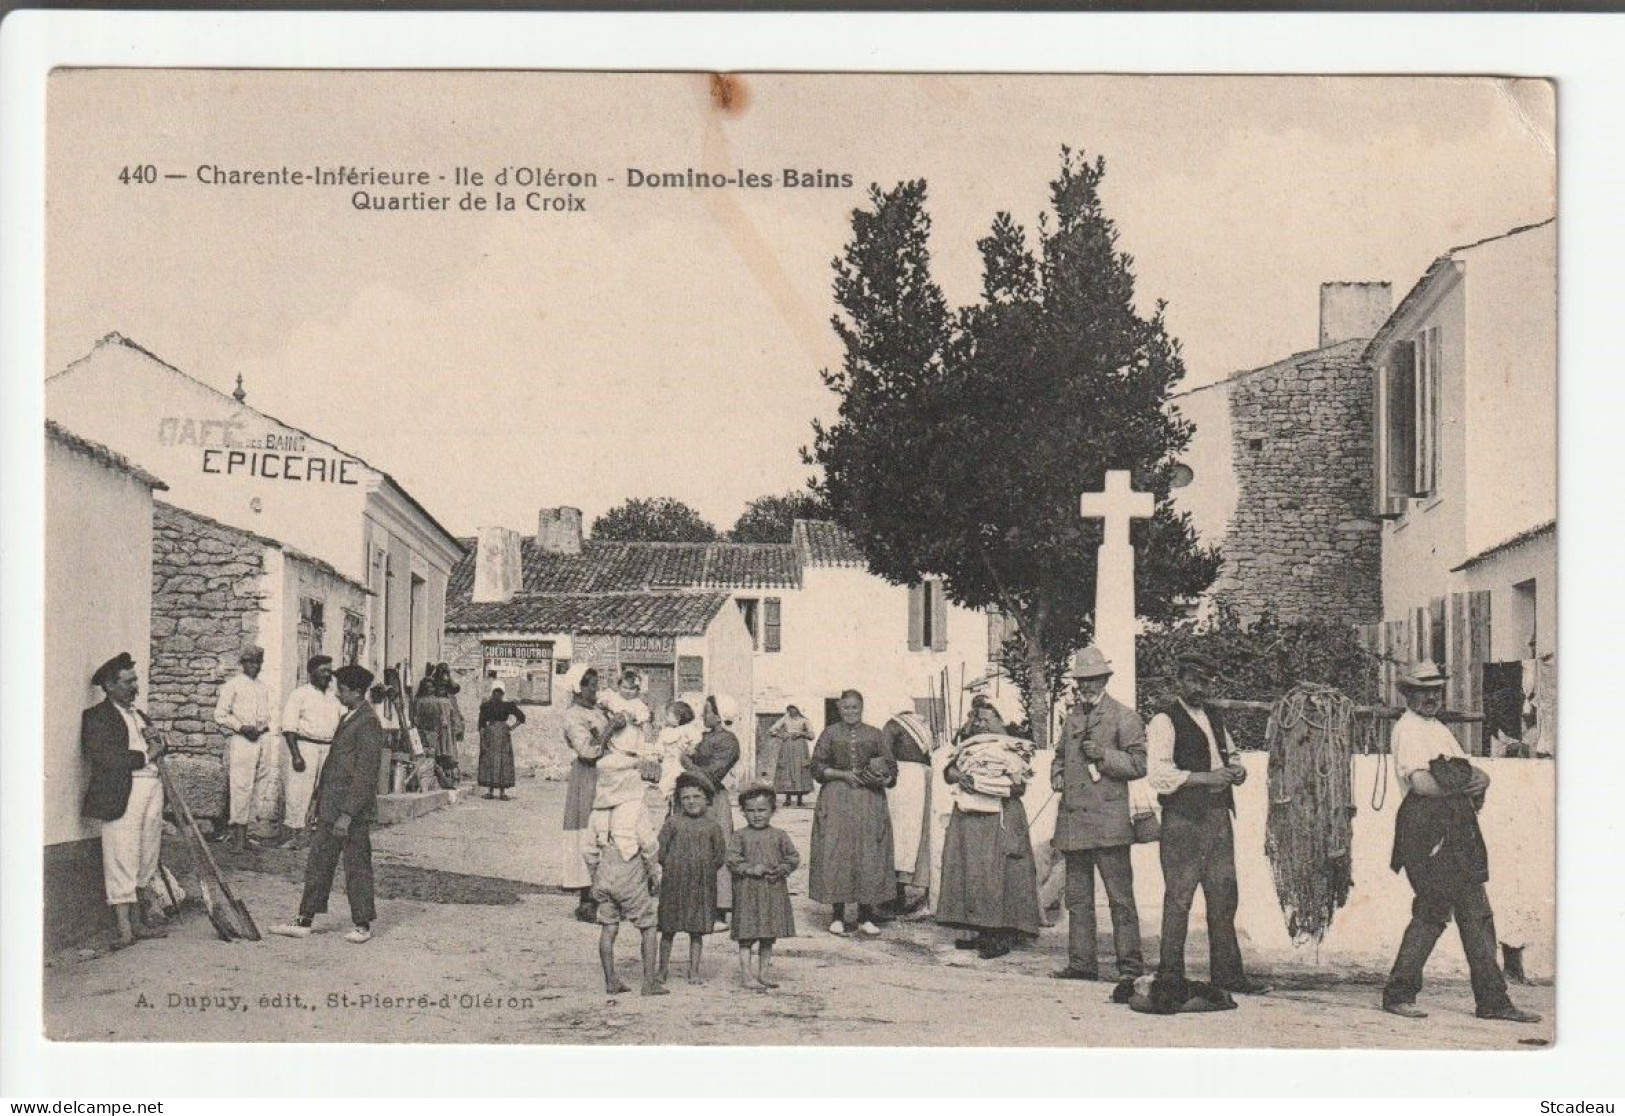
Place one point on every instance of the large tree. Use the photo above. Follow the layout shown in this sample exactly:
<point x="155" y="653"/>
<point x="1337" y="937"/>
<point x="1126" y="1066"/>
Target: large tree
<point x="653" y="519"/>
<point x="964" y="439"/>
<point x="771" y="519"/>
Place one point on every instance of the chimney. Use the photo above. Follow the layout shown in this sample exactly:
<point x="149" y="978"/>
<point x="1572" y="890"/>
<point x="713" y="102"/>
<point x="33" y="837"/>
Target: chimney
<point x="558" y="530"/>
<point x="498" y="574"/>
<point x="1353" y="310"/>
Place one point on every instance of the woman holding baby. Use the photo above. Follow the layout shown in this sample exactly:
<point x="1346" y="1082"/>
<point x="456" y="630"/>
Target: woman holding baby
<point x="852" y="856"/>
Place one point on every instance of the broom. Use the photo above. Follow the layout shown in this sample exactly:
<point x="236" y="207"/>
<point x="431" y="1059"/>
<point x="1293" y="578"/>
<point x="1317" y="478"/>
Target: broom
<point x="230" y="919"/>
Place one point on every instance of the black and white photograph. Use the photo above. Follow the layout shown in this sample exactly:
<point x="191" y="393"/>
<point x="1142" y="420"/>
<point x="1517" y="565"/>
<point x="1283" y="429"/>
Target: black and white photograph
<point x="800" y="559"/>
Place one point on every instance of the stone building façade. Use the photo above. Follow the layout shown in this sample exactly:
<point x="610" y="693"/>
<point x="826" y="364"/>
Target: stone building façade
<point x="1283" y="479"/>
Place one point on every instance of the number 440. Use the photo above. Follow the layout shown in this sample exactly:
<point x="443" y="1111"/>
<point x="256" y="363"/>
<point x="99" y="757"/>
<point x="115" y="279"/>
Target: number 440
<point x="143" y="173"/>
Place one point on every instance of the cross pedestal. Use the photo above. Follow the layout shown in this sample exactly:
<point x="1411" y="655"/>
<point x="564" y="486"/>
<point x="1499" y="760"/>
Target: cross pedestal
<point x="1117" y="505"/>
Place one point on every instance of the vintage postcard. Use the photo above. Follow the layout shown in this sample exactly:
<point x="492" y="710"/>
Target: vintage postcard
<point x="800" y="559"/>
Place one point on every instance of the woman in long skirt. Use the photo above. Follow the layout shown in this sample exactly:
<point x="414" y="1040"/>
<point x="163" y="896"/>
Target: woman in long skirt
<point x="989" y="876"/>
<point x="792" y="774"/>
<point x="852" y="858"/>
<point x="496" y="742"/>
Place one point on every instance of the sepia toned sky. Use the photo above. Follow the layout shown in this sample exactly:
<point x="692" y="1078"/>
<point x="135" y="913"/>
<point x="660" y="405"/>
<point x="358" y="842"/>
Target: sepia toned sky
<point x="668" y="341"/>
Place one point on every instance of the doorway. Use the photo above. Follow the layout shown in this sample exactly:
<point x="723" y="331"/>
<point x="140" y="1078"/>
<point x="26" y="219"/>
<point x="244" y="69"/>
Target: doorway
<point x="659" y="690"/>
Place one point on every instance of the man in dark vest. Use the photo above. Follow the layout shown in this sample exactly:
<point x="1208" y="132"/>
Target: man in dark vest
<point x="1191" y="765"/>
<point x="124" y="792"/>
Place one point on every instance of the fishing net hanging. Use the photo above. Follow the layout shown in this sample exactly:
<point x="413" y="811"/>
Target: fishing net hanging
<point x="1310" y="835"/>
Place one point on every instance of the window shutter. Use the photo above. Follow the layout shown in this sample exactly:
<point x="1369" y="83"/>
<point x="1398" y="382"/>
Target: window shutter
<point x="770" y="624"/>
<point x="690" y="674"/>
<point x="916" y="617"/>
<point x="1400" y="376"/>
<point x="939" y="618"/>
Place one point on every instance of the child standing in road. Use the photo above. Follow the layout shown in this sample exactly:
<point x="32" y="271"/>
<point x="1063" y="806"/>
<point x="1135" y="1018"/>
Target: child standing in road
<point x="625" y="879"/>
<point x="692" y="852"/>
<point x="760" y="859"/>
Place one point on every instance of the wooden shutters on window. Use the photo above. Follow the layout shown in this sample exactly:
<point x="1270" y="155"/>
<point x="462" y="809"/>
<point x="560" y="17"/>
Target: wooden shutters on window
<point x="1426" y="363"/>
<point x="690" y="674"/>
<point x="772" y="639"/>
<point x="927" y="617"/>
<point x="1396" y="418"/>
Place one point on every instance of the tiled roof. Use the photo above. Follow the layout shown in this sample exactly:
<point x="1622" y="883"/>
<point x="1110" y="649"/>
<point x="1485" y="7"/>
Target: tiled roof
<point x="822" y="543"/>
<point x="634" y="567"/>
<point x="1522" y="537"/>
<point x="593" y="613"/>
<point x="102" y="455"/>
<point x="630" y="567"/>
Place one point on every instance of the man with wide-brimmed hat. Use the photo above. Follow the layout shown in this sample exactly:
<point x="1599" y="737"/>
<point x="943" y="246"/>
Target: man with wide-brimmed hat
<point x="1441" y="849"/>
<point x="1101" y="751"/>
<point x="244" y="710"/>
<point x="1191" y="765"/>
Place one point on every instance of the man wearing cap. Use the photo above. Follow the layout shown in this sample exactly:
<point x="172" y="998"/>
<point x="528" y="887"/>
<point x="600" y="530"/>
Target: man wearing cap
<point x="1438" y="843"/>
<point x="346" y="800"/>
<point x="309" y="719"/>
<point x="244" y="710"/>
<point x="1190" y="764"/>
<point x="124" y="793"/>
<point x="1102" y="750"/>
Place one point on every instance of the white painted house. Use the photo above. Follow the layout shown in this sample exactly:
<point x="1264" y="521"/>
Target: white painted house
<point x="813" y="619"/>
<point x="98" y="602"/>
<point x="1466" y="478"/>
<point x="237" y="466"/>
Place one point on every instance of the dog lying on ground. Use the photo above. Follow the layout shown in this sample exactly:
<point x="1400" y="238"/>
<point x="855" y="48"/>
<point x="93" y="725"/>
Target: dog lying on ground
<point x="1170" y="995"/>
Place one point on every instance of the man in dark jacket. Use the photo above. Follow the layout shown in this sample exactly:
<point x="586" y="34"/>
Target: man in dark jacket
<point x="1102" y="750"/>
<point x="344" y="806"/>
<point x="124" y="793"/>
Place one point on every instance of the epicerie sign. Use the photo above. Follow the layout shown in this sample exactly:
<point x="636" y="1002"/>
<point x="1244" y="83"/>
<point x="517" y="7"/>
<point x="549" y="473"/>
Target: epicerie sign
<point x="226" y="450"/>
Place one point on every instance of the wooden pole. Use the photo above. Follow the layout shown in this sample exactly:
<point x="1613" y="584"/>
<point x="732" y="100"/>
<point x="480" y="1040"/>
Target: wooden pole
<point x="1386" y="712"/>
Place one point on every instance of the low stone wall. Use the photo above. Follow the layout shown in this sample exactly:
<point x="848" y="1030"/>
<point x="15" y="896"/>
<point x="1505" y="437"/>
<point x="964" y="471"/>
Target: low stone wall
<point x="207" y="587"/>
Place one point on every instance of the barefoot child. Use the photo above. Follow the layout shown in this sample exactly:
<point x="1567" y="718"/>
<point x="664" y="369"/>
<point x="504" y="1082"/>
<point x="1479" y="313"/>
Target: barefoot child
<point x="625" y="878"/>
<point x="760" y="858"/>
<point x="692" y="852"/>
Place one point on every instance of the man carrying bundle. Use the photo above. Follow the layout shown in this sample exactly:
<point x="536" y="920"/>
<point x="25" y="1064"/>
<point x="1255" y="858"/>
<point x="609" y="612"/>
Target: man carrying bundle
<point x="1439" y="845"/>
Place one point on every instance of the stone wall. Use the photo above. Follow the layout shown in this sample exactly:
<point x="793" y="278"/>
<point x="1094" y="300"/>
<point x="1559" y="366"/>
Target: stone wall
<point x="208" y="582"/>
<point x="1302" y="541"/>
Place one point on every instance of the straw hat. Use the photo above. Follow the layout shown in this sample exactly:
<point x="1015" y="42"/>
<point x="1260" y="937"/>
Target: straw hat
<point x="1090" y="663"/>
<point x="1424" y="675"/>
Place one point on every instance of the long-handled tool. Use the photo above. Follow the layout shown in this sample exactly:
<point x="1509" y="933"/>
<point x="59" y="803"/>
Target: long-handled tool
<point x="231" y="920"/>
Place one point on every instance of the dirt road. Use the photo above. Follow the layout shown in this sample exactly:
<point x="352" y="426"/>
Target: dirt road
<point x="475" y="944"/>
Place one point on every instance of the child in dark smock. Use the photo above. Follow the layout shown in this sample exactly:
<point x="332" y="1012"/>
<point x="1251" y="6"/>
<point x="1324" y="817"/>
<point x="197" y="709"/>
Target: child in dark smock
<point x="760" y="859"/>
<point x="692" y="852"/>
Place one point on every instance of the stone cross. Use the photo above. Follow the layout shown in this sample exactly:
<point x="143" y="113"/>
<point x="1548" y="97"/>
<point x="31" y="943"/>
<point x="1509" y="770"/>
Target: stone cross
<point x="1114" y="577"/>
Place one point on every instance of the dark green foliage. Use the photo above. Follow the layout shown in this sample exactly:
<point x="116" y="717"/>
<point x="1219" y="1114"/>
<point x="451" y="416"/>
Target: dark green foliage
<point x="770" y="519"/>
<point x="964" y="440"/>
<point x="1260" y="662"/>
<point x="655" y="519"/>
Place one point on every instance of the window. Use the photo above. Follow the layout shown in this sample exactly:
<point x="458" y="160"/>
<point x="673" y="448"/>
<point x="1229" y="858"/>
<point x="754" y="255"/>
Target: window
<point x="772" y="638"/>
<point x="1426" y="364"/>
<point x="748" y="610"/>
<point x="927" y="616"/>
<point x="311" y="633"/>
<point x="690" y="675"/>
<point x="1000" y="628"/>
<point x="355" y="637"/>
<point x="523" y="667"/>
<point x="1396" y="429"/>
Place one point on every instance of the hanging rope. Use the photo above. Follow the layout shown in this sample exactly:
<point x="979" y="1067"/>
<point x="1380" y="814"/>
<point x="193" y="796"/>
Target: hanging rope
<point x="1309" y="838"/>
